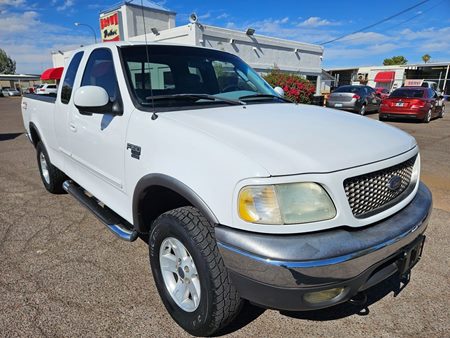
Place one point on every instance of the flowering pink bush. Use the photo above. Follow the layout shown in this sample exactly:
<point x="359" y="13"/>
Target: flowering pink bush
<point x="295" y="88"/>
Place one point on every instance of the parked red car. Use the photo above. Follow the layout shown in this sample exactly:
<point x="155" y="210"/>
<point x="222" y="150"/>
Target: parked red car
<point x="412" y="102"/>
<point x="383" y="93"/>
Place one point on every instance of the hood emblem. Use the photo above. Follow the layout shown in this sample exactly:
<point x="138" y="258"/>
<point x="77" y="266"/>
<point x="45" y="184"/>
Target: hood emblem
<point x="394" y="183"/>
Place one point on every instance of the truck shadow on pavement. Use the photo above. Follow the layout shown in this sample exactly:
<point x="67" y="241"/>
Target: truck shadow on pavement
<point x="9" y="136"/>
<point x="251" y="312"/>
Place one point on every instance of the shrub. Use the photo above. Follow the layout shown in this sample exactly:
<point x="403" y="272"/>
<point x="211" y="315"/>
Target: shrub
<point x="295" y="88"/>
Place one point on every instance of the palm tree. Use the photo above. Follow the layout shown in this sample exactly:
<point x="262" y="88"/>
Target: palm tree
<point x="426" y="58"/>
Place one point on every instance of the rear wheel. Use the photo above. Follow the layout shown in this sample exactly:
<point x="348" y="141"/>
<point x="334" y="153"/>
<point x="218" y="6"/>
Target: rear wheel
<point x="427" y="117"/>
<point x="189" y="272"/>
<point x="52" y="177"/>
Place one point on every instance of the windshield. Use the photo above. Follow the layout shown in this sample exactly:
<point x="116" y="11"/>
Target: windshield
<point x="407" y="93"/>
<point x="171" y="72"/>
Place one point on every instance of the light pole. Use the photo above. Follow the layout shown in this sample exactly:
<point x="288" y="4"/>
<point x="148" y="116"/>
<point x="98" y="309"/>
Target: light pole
<point x="90" y="27"/>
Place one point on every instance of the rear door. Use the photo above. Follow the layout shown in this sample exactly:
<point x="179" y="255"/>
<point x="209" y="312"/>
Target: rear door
<point x="63" y="107"/>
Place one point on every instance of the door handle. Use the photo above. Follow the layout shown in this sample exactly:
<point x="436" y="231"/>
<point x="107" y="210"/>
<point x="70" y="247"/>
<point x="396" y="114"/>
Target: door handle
<point x="73" y="127"/>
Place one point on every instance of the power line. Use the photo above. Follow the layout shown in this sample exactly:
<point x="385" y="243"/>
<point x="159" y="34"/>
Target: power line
<point x="376" y="23"/>
<point x="404" y="21"/>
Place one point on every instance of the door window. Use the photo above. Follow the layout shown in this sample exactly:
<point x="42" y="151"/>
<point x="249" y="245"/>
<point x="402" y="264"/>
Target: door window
<point x="100" y="72"/>
<point x="69" y="79"/>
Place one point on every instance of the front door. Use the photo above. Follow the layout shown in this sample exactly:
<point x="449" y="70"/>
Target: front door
<point x="97" y="141"/>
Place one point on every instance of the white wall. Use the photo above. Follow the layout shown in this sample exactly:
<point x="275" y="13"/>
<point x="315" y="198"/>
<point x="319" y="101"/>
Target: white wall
<point x="260" y="52"/>
<point x="135" y="24"/>
<point x="265" y="53"/>
<point x="374" y="70"/>
<point x="60" y="60"/>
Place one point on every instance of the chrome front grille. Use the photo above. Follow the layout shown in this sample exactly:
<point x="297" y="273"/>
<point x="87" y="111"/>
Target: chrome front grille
<point x="374" y="192"/>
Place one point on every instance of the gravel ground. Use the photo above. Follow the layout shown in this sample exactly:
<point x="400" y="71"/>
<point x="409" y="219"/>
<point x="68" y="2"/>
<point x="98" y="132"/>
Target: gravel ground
<point x="63" y="274"/>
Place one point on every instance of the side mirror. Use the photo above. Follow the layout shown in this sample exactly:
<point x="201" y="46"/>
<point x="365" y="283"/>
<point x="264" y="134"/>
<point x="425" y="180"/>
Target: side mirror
<point x="279" y="91"/>
<point x="94" y="100"/>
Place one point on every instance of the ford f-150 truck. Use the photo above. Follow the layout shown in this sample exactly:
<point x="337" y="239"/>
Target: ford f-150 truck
<point x="241" y="194"/>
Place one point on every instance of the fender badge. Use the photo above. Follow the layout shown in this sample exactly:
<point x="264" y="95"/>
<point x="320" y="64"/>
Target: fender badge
<point x="135" y="150"/>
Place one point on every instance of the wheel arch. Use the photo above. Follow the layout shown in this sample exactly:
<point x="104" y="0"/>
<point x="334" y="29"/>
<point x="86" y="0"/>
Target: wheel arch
<point x="165" y="193"/>
<point x="34" y="134"/>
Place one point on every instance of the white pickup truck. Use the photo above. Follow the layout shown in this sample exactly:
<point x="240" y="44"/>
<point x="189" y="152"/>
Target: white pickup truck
<point x="241" y="194"/>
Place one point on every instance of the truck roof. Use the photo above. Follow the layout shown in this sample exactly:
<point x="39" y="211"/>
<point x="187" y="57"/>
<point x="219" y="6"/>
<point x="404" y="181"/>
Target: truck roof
<point x="138" y="43"/>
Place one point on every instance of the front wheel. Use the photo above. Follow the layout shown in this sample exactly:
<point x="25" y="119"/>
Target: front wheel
<point x="189" y="272"/>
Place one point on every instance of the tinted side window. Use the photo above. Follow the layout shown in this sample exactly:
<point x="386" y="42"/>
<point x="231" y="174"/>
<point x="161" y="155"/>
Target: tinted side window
<point x="66" y="91"/>
<point x="100" y="72"/>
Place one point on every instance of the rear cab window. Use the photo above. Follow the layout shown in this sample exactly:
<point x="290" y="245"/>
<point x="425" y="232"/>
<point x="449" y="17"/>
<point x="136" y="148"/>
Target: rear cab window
<point x="66" y="91"/>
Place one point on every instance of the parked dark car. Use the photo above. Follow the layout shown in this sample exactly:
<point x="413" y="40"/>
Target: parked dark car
<point x="413" y="102"/>
<point x="358" y="99"/>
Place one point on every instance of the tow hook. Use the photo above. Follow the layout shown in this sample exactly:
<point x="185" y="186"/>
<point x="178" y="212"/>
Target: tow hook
<point x="359" y="299"/>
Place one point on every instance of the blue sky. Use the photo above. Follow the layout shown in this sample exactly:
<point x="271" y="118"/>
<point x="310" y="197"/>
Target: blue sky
<point x="30" y="30"/>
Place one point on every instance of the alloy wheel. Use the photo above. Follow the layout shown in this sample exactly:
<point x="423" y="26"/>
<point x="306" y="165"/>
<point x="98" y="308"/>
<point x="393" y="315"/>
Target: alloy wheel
<point x="180" y="274"/>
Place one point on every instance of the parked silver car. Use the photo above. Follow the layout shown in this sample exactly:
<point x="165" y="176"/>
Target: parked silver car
<point x="358" y="99"/>
<point x="10" y="92"/>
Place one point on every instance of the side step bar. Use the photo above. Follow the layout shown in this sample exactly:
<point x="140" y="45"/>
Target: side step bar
<point x="120" y="227"/>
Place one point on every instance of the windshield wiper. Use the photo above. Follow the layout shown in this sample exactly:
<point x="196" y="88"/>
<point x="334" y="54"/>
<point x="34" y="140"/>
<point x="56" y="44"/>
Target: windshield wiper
<point x="264" y="96"/>
<point x="194" y="96"/>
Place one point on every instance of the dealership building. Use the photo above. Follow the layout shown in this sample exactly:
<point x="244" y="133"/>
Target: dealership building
<point x="129" y="21"/>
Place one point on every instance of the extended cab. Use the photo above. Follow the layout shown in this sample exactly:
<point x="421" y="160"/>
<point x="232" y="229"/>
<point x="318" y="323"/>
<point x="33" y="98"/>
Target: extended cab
<point x="240" y="193"/>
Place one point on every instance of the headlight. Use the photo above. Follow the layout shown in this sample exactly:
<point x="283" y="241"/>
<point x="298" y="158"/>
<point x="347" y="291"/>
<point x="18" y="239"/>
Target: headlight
<point x="285" y="204"/>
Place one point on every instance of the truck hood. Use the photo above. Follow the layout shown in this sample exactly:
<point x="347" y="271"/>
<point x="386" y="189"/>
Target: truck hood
<point x="290" y="139"/>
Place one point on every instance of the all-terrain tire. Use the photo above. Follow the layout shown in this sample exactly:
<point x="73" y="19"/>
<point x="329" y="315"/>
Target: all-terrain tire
<point x="219" y="301"/>
<point x="51" y="177"/>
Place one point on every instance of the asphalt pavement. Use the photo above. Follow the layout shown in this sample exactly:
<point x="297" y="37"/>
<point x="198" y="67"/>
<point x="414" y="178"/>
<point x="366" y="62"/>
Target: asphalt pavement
<point x="63" y="274"/>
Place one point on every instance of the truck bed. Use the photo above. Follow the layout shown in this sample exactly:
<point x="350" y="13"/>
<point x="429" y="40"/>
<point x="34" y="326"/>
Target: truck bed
<point x="45" y="98"/>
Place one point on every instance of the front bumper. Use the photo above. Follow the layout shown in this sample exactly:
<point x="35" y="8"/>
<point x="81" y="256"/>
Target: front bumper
<point x="276" y="271"/>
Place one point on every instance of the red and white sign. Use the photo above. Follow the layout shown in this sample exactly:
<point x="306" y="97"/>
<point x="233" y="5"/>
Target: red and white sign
<point x="413" y="83"/>
<point x="109" y="27"/>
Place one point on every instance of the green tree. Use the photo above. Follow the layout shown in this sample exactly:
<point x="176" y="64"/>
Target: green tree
<point x="426" y="58"/>
<point x="395" y="60"/>
<point x="7" y="65"/>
